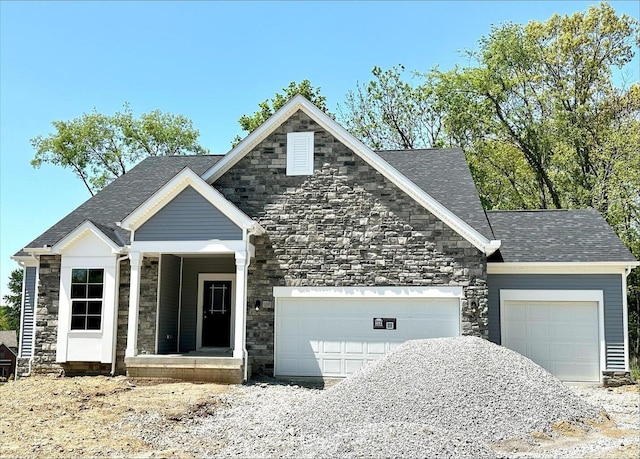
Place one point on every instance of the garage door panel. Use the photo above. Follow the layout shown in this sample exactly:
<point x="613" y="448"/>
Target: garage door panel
<point x="331" y="347"/>
<point x="560" y="336"/>
<point x="352" y="347"/>
<point x="351" y="366"/>
<point x="339" y="333"/>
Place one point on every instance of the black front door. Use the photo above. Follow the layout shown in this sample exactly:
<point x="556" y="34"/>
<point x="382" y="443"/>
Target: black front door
<point x="216" y="314"/>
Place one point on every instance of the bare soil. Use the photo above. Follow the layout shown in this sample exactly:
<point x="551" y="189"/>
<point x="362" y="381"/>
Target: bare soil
<point x="55" y="417"/>
<point x="51" y="417"/>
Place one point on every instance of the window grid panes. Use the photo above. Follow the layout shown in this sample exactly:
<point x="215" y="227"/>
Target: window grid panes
<point x="87" y="286"/>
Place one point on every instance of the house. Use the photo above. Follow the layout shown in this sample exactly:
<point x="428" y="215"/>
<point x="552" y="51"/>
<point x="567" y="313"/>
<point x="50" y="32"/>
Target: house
<point x="285" y="256"/>
<point x="8" y="353"/>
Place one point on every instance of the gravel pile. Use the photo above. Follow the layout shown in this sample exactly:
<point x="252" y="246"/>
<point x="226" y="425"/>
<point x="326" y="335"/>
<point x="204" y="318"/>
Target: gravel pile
<point x="445" y="397"/>
<point x="464" y="384"/>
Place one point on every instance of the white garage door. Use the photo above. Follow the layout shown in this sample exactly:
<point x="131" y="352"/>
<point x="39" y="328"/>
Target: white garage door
<point x="336" y="336"/>
<point x="560" y="336"/>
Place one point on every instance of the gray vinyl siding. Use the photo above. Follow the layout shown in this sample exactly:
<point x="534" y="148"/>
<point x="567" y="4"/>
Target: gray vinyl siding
<point x="190" y="270"/>
<point x="610" y="284"/>
<point x="188" y="217"/>
<point x="168" y="307"/>
<point x="28" y="319"/>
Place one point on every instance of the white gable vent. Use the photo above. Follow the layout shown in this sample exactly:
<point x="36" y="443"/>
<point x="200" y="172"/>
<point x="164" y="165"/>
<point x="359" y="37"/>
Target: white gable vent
<point x="299" y="153"/>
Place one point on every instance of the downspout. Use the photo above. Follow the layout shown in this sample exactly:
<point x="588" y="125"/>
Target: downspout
<point x="115" y="319"/>
<point x="246" y="235"/>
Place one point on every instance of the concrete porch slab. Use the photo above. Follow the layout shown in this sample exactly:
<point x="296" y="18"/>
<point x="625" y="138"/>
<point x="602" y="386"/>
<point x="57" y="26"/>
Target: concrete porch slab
<point x="225" y="370"/>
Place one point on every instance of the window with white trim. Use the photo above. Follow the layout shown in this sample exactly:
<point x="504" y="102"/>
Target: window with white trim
<point x="299" y="153"/>
<point x="87" y="288"/>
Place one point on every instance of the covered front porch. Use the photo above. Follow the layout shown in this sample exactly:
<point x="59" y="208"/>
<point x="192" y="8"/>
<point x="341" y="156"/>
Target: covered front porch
<point x="203" y="246"/>
<point x="196" y="328"/>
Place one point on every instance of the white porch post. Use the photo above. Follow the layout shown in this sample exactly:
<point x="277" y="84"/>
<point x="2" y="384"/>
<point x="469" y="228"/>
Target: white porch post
<point x="134" y="302"/>
<point x="242" y="265"/>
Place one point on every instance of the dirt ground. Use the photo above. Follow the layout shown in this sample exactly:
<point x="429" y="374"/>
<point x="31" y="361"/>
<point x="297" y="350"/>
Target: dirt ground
<point x="52" y="417"/>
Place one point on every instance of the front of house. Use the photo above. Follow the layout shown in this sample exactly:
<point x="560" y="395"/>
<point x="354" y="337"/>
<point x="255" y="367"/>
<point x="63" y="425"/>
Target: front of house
<point x="302" y="252"/>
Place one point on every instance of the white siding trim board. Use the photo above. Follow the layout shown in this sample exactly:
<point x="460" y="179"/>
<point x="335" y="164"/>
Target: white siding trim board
<point x="603" y="267"/>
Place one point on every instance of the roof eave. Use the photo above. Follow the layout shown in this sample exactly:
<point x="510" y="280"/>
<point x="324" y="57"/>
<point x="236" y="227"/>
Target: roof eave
<point x="556" y="267"/>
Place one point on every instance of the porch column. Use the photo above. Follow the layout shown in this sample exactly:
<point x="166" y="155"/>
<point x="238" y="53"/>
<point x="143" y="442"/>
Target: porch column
<point x="135" y="258"/>
<point x="242" y="264"/>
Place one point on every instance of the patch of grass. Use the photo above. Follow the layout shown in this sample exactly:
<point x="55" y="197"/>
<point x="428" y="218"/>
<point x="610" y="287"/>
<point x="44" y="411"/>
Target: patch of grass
<point x="635" y="373"/>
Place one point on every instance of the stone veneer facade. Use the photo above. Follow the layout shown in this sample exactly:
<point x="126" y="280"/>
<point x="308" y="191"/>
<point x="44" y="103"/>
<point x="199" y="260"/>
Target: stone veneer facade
<point x="346" y="225"/>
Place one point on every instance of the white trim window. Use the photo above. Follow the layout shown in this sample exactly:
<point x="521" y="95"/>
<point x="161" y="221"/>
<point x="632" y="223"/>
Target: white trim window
<point x="87" y="295"/>
<point x="299" y="153"/>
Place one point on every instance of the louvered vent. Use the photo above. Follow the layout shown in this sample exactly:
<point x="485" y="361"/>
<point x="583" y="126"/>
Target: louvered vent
<point x="28" y="313"/>
<point x="299" y="153"/>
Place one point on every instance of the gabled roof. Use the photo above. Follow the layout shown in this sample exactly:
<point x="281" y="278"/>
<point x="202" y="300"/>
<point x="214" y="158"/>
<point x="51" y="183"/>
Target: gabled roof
<point x="188" y="178"/>
<point x="121" y="197"/>
<point x="445" y="175"/>
<point x="9" y="338"/>
<point x="298" y="102"/>
<point x="565" y="236"/>
<point x="82" y="230"/>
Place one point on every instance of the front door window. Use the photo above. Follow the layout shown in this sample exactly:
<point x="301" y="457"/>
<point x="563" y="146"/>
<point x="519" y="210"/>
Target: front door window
<point x="216" y="314"/>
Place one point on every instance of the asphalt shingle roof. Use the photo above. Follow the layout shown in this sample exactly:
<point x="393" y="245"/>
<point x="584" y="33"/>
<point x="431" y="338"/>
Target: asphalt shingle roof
<point x="527" y="236"/>
<point x="556" y="235"/>
<point x="444" y="174"/>
<point x="124" y="195"/>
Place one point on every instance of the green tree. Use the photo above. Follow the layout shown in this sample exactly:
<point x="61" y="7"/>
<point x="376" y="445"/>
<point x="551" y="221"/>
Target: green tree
<point x="544" y="91"/>
<point x="390" y="113"/>
<point x="99" y="148"/>
<point x="10" y="312"/>
<point x="250" y="123"/>
<point x="543" y="124"/>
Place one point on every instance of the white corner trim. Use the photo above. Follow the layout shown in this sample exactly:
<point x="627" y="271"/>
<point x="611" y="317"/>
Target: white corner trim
<point x="563" y="295"/>
<point x="186" y="177"/>
<point x="80" y="231"/>
<point x="368" y="292"/>
<point x="603" y="267"/>
<point x="298" y="102"/>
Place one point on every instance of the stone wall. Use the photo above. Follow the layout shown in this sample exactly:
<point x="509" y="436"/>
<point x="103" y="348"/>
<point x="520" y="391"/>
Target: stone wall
<point x="44" y="351"/>
<point x="123" y="315"/>
<point x="346" y="225"/>
<point x="148" y="306"/>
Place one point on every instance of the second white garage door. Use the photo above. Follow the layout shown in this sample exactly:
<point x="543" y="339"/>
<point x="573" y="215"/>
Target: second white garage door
<point x="560" y="336"/>
<point x="336" y="336"/>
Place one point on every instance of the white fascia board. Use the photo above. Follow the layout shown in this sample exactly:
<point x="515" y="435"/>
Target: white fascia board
<point x="35" y="251"/>
<point x="186" y="177"/>
<point x="80" y="231"/>
<point x="368" y="292"/>
<point x="298" y="102"/>
<point x="26" y="261"/>
<point x="176" y="247"/>
<point x="602" y="267"/>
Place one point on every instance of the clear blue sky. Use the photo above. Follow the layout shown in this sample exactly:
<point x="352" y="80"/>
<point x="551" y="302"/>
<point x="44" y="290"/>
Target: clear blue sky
<point x="210" y="61"/>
